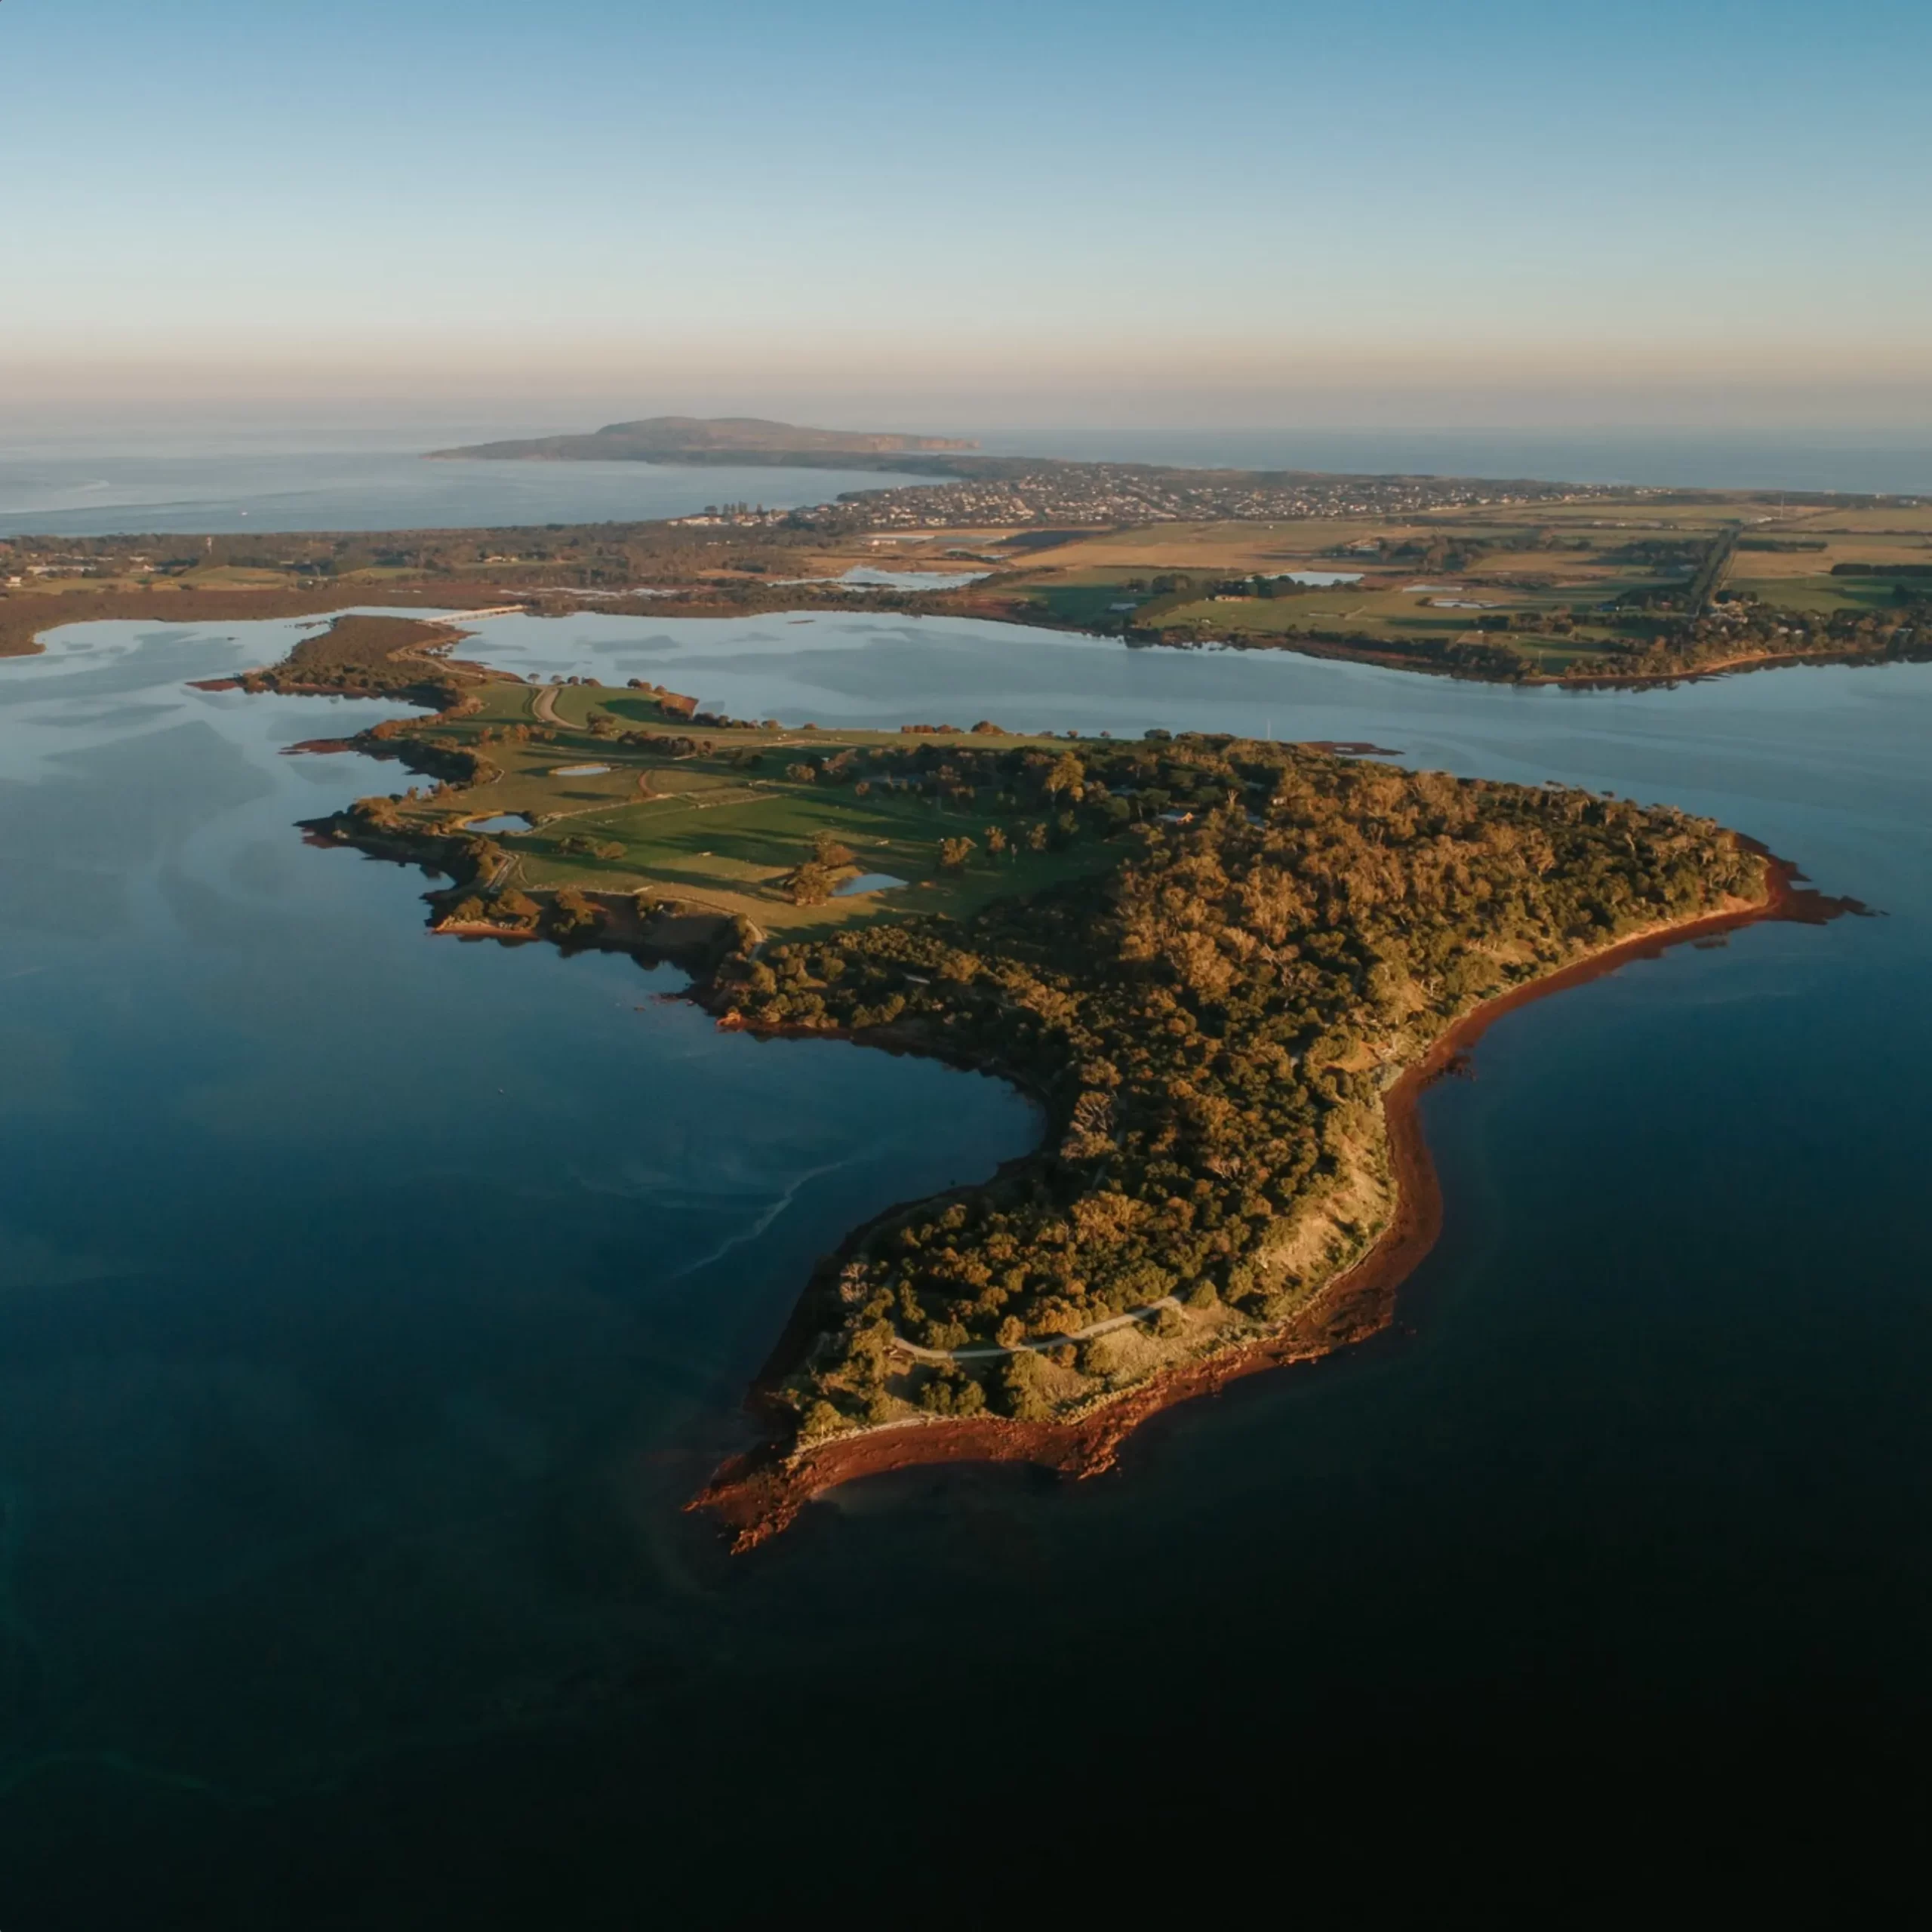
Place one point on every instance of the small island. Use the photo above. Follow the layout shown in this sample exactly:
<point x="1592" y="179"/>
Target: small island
<point x="1223" y="968"/>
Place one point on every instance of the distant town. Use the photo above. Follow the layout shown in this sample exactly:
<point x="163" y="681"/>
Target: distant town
<point x="1507" y="579"/>
<point x="1118" y="494"/>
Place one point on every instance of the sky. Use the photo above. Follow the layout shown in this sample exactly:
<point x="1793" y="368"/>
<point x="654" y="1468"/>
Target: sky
<point x="1395" y="211"/>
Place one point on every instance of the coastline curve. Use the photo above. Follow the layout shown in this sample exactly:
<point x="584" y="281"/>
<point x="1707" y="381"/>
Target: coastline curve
<point x="756" y="1495"/>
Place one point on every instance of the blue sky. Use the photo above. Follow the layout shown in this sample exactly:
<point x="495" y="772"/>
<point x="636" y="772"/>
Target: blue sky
<point x="1236" y="200"/>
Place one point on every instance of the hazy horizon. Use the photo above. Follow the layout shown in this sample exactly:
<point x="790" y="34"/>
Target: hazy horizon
<point x="1480" y="215"/>
<point x="260" y="472"/>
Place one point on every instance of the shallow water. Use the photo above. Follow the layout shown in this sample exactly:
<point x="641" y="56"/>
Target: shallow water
<point x="864" y="882"/>
<point x="865" y="576"/>
<point x="372" y="1302"/>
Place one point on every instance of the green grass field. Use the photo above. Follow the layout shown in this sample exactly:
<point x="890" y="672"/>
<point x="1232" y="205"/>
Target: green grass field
<point x="1520" y="569"/>
<point x="1399" y="615"/>
<point x="1820" y="595"/>
<point x="714" y="833"/>
<point x="1086" y="599"/>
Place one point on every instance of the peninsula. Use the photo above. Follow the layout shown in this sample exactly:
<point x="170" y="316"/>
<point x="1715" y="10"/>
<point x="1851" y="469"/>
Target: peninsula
<point x="1222" y="967"/>
<point x="717" y="439"/>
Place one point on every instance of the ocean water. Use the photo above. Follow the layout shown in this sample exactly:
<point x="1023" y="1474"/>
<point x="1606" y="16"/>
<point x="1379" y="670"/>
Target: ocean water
<point x="367" y="473"/>
<point x="1895" y="461"/>
<point x="55" y="490"/>
<point x="370" y="1304"/>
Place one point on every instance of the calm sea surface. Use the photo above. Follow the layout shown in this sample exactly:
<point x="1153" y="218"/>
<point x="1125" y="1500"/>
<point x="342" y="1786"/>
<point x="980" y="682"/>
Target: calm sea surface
<point x="370" y="1303"/>
<point x="367" y="473"/>
<point x="1896" y="461"/>
<point x="58" y="491"/>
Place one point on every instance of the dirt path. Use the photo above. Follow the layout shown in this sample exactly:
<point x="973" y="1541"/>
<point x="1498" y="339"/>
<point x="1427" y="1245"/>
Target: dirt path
<point x="543" y="704"/>
<point x="1047" y="1344"/>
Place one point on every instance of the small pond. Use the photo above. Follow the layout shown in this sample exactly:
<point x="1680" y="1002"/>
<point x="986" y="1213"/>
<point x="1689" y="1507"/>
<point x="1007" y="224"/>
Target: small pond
<point x="863" y="577"/>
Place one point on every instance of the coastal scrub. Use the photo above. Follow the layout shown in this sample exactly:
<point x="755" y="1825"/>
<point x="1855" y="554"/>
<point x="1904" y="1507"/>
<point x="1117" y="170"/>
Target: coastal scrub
<point x="1211" y="1027"/>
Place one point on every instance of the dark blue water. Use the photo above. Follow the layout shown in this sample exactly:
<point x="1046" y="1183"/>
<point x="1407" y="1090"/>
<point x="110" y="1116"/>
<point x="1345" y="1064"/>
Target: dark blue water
<point x="369" y="1303"/>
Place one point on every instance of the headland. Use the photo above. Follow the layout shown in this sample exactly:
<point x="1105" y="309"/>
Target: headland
<point x="760" y="1492"/>
<point x="1226" y="968"/>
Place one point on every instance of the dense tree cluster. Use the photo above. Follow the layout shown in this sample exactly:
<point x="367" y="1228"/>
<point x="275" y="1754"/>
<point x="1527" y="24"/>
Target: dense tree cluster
<point x="378" y="656"/>
<point x="1210" y="1027"/>
<point x="1091" y="789"/>
<point x="1742" y="627"/>
<point x="1662" y="633"/>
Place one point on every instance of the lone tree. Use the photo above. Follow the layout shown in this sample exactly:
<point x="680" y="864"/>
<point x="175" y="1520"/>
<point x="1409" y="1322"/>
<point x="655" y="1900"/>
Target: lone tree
<point x="1068" y="778"/>
<point x="953" y="853"/>
<point x="810" y="883"/>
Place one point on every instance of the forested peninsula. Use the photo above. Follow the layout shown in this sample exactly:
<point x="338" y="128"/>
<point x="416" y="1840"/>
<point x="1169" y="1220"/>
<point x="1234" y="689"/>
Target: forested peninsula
<point x="1222" y="967"/>
<point x="1214" y="1028"/>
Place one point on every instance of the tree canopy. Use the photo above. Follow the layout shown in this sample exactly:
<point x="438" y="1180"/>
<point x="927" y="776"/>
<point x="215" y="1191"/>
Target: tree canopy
<point x="1210" y="1027"/>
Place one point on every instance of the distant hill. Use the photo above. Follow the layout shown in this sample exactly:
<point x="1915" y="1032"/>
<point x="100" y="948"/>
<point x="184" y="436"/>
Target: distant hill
<point x="717" y="439"/>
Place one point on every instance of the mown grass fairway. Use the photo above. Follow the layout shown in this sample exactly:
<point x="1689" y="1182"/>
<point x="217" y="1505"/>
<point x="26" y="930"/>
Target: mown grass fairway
<point x="719" y="819"/>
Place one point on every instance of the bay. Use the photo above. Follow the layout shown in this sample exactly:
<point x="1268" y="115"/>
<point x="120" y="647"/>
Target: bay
<point x="370" y="1303"/>
<point x="60" y="490"/>
<point x="364" y="469"/>
<point x="1856" y="458"/>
